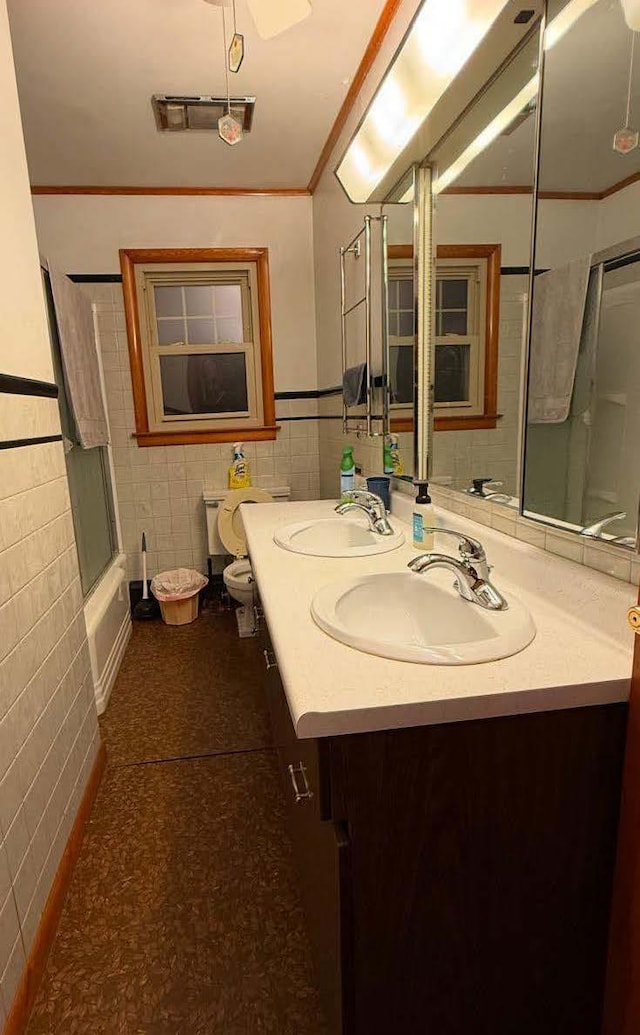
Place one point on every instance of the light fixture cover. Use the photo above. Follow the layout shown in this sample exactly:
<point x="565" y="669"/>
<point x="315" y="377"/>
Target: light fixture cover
<point x="229" y="130"/>
<point x="442" y="37"/>
<point x="626" y="140"/>
<point x="236" y="52"/>
<point x="631" y="10"/>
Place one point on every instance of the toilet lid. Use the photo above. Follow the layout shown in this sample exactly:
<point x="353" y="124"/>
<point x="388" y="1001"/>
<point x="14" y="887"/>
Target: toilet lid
<point x="230" y="525"/>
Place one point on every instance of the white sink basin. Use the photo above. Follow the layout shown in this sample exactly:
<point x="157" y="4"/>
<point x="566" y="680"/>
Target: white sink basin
<point x="335" y="537"/>
<point x="411" y="617"/>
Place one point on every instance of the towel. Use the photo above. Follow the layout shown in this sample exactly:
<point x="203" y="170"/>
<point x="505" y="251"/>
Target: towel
<point x="354" y="385"/>
<point x="556" y="326"/>
<point x="74" y="317"/>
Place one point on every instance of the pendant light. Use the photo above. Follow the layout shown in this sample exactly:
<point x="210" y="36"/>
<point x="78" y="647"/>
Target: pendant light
<point x="631" y="9"/>
<point x="229" y="129"/>
<point x="626" y="139"/>
<point x="236" y="47"/>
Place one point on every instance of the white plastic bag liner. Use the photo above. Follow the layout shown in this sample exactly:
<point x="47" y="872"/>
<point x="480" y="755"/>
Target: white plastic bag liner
<point x="178" y="584"/>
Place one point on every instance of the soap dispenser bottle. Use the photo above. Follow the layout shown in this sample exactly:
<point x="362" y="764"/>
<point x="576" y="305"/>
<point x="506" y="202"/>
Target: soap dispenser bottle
<point x="423" y="518"/>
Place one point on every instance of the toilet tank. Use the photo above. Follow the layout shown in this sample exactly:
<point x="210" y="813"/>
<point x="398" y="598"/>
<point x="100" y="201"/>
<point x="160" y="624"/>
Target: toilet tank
<point x="212" y="500"/>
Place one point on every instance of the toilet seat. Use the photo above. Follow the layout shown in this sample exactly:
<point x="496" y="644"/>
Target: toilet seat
<point x="230" y="527"/>
<point x="238" y="574"/>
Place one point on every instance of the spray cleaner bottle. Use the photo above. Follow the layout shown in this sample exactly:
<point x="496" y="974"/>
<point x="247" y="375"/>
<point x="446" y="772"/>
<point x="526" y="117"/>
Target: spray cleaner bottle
<point x="347" y="471"/>
<point x="239" y="477"/>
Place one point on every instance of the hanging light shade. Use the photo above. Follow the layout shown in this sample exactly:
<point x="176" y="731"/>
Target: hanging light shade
<point x="631" y="10"/>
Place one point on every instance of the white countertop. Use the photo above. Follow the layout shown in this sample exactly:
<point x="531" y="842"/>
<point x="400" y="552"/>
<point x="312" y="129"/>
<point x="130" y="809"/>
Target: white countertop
<point x="581" y="655"/>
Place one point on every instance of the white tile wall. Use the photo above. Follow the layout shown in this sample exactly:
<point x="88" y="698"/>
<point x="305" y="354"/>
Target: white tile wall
<point x="160" y="488"/>
<point x="48" y="725"/>
<point x="367" y="452"/>
<point x="612" y="560"/>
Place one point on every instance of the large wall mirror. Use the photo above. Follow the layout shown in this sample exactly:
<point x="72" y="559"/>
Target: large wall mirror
<point x="399" y="209"/>
<point x="583" y="415"/>
<point x="483" y="177"/>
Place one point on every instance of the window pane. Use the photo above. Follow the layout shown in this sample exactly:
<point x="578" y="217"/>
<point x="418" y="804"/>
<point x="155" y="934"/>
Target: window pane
<point x="199" y="300"/>
<point x="229" y="328"/>
<point x="170" y="332"/>
<point x="453" y="322"/>
<point x="454" y="294"/>
<point x="405" y="293"/>
<point x="228" y="300"/>
<point x="405" y="324"/>
<point x="204" y="384"/>
<point x="168" y="301"/>
<point x="401" y="373"/>
<point x="201" y="331"/>
<point x="452" y="373"/>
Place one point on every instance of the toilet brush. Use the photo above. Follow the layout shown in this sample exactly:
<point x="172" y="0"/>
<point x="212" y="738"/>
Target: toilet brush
<point x="145" y="608"/>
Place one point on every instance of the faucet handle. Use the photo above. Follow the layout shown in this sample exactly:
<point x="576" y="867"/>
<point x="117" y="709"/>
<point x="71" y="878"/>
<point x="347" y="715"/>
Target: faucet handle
<point x="469" y="548"/>
<point x="364" y="496"/>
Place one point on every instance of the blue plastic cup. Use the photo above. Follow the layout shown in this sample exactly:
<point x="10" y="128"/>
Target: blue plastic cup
<point x="381" y="488"/>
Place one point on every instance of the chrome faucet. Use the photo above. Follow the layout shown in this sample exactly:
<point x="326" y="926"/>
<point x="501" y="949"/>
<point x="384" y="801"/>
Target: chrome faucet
<point x="595" y="530"/>
<point x="470" y="550"/>
<point x="468" y="582"/>
<point x="369" y="504"/>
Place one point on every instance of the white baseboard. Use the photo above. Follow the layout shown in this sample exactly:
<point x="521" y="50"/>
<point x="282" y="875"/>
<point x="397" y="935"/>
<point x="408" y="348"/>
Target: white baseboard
<point x="104" y="685"/>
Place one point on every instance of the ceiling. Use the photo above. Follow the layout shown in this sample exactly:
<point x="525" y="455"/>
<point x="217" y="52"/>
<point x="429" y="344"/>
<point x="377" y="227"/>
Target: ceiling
<point x="87" y="70"/>
<point x="585" y="92"/>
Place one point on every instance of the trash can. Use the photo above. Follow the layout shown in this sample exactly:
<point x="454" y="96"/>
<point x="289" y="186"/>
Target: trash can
<point x="177" y="593"/>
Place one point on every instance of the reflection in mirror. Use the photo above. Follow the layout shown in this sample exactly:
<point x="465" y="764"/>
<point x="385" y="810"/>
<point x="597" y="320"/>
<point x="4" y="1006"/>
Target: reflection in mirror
<point x="583" y="416"/>
<point x="483" y="187"/>
<point x="402" y="311"/>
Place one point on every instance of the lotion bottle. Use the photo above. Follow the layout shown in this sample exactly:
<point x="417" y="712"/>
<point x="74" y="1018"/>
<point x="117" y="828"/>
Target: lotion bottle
<point x="423" y="518"/>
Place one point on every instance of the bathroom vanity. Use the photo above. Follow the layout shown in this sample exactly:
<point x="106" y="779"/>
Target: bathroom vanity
<point x="454" y="826"/>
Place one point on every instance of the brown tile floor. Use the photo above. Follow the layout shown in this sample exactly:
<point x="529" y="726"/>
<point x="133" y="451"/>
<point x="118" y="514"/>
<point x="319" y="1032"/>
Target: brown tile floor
<point x="183" y="916"/>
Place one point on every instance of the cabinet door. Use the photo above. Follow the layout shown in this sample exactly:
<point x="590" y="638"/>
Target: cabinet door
<point x="321" y="849"/>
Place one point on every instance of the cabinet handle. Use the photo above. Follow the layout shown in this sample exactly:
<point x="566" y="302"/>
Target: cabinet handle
<point x="294" y="772"/>
<point x="269" y="659"/>
<point x="258" y="615"/>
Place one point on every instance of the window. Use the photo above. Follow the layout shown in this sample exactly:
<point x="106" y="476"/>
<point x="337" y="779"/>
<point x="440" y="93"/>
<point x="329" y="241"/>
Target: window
<point x="401" y="309"/>
<point x="198" y="323"/>
<point x="467" y="301"/>
<point x="467" y="311"/>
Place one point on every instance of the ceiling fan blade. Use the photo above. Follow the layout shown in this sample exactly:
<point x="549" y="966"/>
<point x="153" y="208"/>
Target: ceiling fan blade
<point x="274" y="16"/>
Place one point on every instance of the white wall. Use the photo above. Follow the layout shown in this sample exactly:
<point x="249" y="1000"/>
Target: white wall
<point x="566" y="229"/>
<point x="618" y="217"/>
<point x="82" y="234"/>
<point x="48" y="729"/>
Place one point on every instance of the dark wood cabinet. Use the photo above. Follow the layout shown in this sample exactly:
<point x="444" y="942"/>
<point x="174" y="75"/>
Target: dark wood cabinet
<point x="457" y="878"/>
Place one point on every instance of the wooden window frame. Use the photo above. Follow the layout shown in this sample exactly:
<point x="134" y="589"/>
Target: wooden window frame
<point x="144" y="434"/>
<point x="489" y="417"/>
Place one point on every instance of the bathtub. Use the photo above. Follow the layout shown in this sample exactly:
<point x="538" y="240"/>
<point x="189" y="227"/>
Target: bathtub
<point x="108" y="621"/>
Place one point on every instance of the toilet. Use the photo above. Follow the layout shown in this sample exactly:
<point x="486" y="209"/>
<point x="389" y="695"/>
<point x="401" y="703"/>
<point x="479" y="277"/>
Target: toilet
<point x="225" y="535"/>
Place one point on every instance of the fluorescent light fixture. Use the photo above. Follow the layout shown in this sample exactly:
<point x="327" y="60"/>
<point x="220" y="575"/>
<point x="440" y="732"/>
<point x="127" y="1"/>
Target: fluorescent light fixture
<point x="562" y="22"/>
<point x="555" y="30"/>
<point x="442" y="37"/>
<point x="488" y="135"/>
